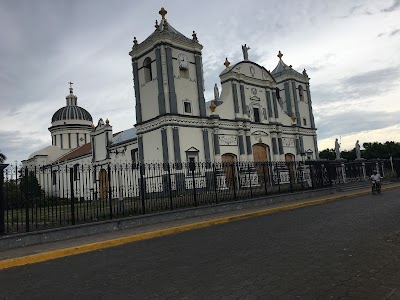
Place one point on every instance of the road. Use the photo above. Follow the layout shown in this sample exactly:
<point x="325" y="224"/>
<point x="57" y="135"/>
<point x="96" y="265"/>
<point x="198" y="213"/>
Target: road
<point x="347" y="249"/>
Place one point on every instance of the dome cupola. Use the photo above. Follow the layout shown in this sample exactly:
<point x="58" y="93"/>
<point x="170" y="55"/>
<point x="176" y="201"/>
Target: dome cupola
<point x="71" y="124"/>
<point x="71" y="111"/>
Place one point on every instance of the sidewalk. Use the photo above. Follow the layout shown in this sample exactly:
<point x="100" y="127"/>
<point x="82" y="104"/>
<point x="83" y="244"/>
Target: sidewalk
<point x="46" y="251"/>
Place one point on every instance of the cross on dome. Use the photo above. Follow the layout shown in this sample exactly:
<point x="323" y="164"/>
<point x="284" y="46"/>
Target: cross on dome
<point x="280" y="55"/>
<point x="70" y="87"/>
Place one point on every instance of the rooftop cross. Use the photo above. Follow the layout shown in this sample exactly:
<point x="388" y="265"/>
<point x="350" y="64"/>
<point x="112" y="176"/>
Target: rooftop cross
<point x="162" y="12"/>
<point x="280" y="55"/>
<point x="70" y="86"/>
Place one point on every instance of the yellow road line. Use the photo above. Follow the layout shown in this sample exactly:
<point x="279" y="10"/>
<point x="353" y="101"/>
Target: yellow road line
<point x="35" y="258"/>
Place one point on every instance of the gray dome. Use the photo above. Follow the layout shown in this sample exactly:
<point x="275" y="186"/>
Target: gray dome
<point x="71" y="112"/>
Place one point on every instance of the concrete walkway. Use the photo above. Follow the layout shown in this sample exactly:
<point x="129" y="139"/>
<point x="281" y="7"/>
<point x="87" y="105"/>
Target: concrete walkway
<point x="47" y="251"/>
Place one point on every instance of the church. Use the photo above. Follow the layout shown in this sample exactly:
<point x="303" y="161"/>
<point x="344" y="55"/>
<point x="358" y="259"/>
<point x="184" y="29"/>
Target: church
<point x="259" y="115"/>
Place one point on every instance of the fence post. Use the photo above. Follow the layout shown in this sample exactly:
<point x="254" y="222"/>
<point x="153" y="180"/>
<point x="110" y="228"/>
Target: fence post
<point x="234" y="180"/>
<point x="109" y="190"/>
<point x="26" y="193"/>
<point x="278" y="176"/>
<point x="289" y="165"/>
<point x="170" y="187"/>
<point x="312" y="176"/>
<point x="2" y="199"/>
<point x="265" y="178"/>
<point x="71" y="184"/>
<point x="251" y="189"/>
<point x="192" y="166"/>
<point x="142" y="186"/>
<point x="328" y="167"/>
<point x="215" y="183"/>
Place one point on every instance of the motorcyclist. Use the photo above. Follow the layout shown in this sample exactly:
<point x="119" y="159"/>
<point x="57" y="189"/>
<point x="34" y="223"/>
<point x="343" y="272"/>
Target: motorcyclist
<point x="377" y="178"/>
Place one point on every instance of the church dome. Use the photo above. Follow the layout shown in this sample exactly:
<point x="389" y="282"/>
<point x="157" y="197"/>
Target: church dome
<point x="71" y="112"/>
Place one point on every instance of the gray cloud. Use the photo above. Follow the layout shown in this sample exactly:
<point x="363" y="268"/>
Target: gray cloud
<point x="393" y="7"/>
<point x="317" y="65"/>
<point x="389" y="34"/>
<point x="44" y="45"/>
<point x="368" y="84"/>
<point x="16" y="144"/>
<point x="347" y="122"/>
<point x="394" y="32"/>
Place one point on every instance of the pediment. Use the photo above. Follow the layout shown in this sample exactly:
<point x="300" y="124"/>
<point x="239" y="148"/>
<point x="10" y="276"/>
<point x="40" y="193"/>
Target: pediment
<point x="250" y="69"/>
<point x="192" y="149"/>
<point x="259" y="132"/>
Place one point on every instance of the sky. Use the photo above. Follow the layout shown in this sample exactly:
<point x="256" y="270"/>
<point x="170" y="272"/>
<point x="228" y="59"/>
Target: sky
<point x="350" y="50"/>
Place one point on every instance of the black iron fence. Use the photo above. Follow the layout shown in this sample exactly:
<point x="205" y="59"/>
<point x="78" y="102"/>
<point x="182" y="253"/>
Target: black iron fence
<point x="36" y="198"/>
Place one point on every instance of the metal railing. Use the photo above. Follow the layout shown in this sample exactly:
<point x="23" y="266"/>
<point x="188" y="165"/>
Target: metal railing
<point x="36" y="198"/>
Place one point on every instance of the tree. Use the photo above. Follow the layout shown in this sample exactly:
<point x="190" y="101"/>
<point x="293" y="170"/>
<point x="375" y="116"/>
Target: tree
<point x="2" y="157"/>
<point x="328" y="154"/>
<point x="349" y="155"/>
<point x="372" y="151"/>
<point x="379" y="150"/>
<point x="30" y="186"/>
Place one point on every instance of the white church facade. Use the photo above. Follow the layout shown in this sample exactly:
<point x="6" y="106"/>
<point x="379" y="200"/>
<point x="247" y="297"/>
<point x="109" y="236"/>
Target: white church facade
<point x="258" y="116"/>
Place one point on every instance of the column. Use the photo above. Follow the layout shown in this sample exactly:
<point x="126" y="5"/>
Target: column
<point x="312" y="123"/>
<point x="275" y="151"/>
<point x="269" y="104"/>
<point x="173" y="107"/>
<point x="138" y="106"/>
<point x="288" y="100"/>
<point x="206" y="144"/>
<point x="164" y="144"/>
<point x="280" y="147"/>
<point x="161" y="95"/>
<point x="249" y="146"/>
<point x="235" y="100"/>
<point x="217" y="150"/>
<point x="177" y="146"/>
<point x="242" y="152"/>
<point x="243" y="99"/>
<point x="296" y="103"/>
<point x="200" y="88"/>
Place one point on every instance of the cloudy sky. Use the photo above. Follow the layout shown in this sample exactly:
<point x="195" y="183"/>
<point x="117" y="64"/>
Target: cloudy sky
<point x="349" y="48"/>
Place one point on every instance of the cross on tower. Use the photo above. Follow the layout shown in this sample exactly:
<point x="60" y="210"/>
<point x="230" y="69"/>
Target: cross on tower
<point x="280" y="55"/>
<point x="162" y="12"/>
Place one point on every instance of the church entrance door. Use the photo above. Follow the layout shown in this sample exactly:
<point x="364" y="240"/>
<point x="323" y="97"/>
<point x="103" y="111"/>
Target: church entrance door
<point x="228" y="163"/>
<point x="289" y="158"/>
<point x="260" y="155"/>
<point x="103" y="184"/>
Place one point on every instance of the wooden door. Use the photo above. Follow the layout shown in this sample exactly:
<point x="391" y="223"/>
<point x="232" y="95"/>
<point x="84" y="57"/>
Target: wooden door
<point x="228" y="163"/>
<point x="260" y="155"/>
<point x="103" y="184"/>
<point x="289" y="158"/>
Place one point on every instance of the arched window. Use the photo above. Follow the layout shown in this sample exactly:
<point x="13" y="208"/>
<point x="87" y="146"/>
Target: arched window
<point x="301" y="93"/>
<point x="277" y="92"/>
<point x="147" y="70"/>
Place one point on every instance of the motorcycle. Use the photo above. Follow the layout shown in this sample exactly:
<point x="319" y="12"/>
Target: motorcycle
<point x="376" y="188"/>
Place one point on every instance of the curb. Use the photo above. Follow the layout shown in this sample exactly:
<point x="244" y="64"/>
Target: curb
<point x="35" y="258"/>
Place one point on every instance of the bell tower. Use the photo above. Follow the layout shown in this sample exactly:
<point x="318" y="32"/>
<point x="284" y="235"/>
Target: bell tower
<point x="168" y="81"/>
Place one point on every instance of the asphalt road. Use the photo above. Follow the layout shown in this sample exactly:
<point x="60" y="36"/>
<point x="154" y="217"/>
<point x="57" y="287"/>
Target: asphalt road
<point x="348" y="249"/>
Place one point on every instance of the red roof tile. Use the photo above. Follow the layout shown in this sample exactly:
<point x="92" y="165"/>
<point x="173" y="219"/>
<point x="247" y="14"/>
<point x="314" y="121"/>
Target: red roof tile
<point x="82" y="150"/>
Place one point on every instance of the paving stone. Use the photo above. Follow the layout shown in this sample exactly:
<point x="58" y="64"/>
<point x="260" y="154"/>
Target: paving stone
<point x="328" y="251"/>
